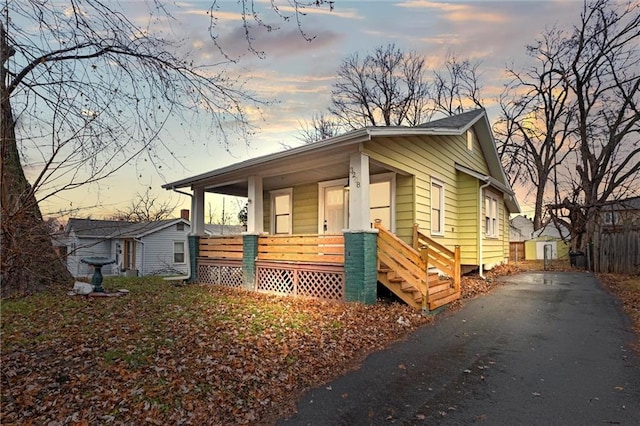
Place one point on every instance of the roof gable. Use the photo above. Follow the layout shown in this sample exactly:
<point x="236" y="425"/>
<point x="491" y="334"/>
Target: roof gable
<point x="332" y="153"/>
<point x="461" y="122"/>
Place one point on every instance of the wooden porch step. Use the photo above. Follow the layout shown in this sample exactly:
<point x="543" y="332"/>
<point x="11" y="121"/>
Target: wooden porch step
<point x="410" y="296"/>
<point x="439" y="286"/>
<point x="434" y="304"/>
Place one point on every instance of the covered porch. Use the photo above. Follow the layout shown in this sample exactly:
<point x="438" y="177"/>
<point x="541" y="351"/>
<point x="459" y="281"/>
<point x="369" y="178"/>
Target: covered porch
<point x="314" y="225"/>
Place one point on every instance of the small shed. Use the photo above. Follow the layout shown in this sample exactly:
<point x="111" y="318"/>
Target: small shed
<point x="550" y="238"/>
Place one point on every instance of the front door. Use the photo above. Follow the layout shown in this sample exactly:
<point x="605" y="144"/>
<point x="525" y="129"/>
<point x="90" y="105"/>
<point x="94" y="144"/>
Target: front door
<point x="129" y="256"/>
<point x="335" y="209"/>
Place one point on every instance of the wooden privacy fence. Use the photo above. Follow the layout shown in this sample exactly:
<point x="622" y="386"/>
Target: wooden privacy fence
<point x="516" y="251"/>
<point x="301" y="265"/>
<point x="220" y="260"/>
<point x="618" y="252"/>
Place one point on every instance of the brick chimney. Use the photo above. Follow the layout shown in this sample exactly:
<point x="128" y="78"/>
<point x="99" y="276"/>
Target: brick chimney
<point x="184" y="214"/>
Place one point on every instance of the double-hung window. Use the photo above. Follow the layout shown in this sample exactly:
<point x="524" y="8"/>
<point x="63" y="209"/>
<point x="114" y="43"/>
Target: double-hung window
<point x="437" y="207"/>
<point x="178" y="252"/>
<point x="281" y="208"/>
<point x="381" y="195"/>
<point x="490" y="216"/>
<point x="611" y="218"/>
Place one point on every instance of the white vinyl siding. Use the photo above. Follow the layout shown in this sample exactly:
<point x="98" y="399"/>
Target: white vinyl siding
<point x="156" y="256"/>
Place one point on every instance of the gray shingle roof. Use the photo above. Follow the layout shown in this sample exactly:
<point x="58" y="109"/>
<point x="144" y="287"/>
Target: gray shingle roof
<point x="632" y="203"/>
<point x="455" y="121"/>
<point x="89" y="228"/>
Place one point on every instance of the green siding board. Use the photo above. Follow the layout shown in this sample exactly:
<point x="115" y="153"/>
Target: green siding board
<point x="305" y="209"/>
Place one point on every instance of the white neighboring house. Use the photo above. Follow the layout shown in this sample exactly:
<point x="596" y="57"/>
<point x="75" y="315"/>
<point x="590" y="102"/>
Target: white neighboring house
<point x="520" y="229"/>
<point x="144" y="248"/>
<point x="552" y="230"/>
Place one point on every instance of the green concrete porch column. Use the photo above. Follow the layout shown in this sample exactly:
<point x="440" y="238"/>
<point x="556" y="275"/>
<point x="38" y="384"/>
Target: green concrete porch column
<point x="361" y="278"/>
<point x="194" y="252"/>
<point x="249" y="255"/>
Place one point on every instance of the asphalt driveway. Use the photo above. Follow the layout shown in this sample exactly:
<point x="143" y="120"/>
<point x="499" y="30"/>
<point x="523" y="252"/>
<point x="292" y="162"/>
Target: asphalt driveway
<point x="541" y="349"/>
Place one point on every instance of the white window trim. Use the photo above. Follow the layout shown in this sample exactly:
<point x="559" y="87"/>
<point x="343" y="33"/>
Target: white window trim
<point x="273" y="195"/>
<point x="184" y="252"/>
<point x="493" y="201"/>
<point x="435" y="181"/>
<point x="321" y="200"/>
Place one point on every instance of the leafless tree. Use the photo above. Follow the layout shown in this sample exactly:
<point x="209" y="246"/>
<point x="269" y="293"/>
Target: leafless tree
<point x="391" y="87"/>
<point x="321" y="126"/>
<point x="387" y="87"/>
<point x="145" y="208"/>
<point x="586" y="113"/>
<point x="456" y="88"/>
<point x="84" y="89"/>
<point x="536" y="122"/>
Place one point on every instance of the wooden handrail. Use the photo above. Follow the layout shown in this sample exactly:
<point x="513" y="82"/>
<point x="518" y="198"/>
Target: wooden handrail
<point x="438" y="256"/>
<point x="402" y="259"/>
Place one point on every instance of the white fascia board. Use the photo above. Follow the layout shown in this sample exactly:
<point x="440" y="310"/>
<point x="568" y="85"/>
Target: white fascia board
<point x="158" y="228"/>
<point x="353" y="137"/>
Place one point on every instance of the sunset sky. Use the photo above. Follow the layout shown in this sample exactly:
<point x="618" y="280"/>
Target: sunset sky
<point x="297" y="75"/>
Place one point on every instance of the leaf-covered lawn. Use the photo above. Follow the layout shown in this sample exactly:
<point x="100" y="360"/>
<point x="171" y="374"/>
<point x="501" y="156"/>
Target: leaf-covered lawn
<point x="171" y="355"/>
<point x="627" y="289"/>
<point x="195" y="354"/>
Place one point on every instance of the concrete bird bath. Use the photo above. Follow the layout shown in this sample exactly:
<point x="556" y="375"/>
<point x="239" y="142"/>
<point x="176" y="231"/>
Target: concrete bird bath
<point x="97" y="263"/>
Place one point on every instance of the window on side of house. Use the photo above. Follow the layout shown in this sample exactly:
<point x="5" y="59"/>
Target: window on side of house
<point x="611" y="218"/>
<point x="178" y="252"/>
<point x="281" y="208"/>
<point x="437" y="207"/>
<point x="491" y="216"/>
<point x="470" y="138"/>
<point x="180" y="226"/>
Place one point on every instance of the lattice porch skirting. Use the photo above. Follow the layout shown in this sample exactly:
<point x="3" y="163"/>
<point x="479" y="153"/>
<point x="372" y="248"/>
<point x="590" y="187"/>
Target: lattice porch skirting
<point x="320" y="281"/>
<point x="222" y="272"/>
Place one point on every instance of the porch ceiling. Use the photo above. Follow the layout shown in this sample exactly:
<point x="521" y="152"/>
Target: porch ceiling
<point x="287" y="172"/>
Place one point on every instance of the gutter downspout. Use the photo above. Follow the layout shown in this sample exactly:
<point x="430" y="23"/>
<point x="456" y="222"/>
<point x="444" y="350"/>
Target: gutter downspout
<point x="480" y="202"/>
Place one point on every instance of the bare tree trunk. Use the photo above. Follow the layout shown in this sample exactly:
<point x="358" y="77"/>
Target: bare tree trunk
<point x="28" y="261"/>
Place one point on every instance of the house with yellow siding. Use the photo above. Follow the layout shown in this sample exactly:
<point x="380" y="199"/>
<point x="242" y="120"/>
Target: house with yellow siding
<point x="409" y="208"/>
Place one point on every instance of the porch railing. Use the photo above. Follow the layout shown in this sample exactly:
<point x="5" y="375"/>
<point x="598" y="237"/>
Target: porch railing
<point x="221" y="247"/>
<point x="307" y="265"/>
<point x="220" y="260"/>
<point x="303" y="248"/>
